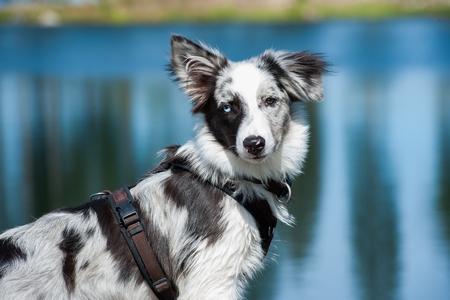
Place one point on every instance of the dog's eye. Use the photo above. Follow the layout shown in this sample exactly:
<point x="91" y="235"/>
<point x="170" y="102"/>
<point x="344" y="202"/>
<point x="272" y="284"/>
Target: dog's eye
<point x="270" y="101"/>
<point x="226" y="108"/>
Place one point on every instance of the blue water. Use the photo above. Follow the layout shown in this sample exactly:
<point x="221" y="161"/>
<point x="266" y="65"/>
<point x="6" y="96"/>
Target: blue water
<point x="87" y="108"/>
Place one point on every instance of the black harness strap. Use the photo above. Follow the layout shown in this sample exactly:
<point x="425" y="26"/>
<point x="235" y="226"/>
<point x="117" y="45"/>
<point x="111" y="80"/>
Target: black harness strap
<point x="133" y="232"/>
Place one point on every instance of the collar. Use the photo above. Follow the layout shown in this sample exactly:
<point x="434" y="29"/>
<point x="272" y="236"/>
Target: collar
<point x="280" y="189"/>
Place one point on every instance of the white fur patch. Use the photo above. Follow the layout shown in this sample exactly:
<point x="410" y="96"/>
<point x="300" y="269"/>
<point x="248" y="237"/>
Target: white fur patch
<point x="247" y="82"/>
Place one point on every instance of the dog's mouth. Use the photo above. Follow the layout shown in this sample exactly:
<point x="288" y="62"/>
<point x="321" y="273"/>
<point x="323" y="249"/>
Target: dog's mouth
<point x="254" y="158"/>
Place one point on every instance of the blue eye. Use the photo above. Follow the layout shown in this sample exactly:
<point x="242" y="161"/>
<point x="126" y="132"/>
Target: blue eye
<point x="226" y="108"/>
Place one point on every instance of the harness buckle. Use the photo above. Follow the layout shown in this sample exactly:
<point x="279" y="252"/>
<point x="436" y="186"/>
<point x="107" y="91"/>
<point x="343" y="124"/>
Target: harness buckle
<point x="127" y="213"/>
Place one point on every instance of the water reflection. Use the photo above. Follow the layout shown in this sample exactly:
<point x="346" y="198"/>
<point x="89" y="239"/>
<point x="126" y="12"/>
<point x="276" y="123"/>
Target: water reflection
<point x="64" y="138"/>
<point x="374" y="226"/>
<point x="443" y="124"/>
<point x="83" y="109"/>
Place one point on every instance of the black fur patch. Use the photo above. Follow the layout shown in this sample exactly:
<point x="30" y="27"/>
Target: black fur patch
<point x="202" y="202"/>
<point x="9" y="251"/>
<point x="224" y="126"/>
<point x="268" y="63"/>
<point x="70" y="246"/>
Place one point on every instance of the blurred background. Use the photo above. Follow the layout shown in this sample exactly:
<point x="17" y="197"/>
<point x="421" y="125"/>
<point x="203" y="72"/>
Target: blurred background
<point x="85" y="104"/>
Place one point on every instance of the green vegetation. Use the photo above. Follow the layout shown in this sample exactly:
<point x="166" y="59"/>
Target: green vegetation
<point x="157" y="11"/>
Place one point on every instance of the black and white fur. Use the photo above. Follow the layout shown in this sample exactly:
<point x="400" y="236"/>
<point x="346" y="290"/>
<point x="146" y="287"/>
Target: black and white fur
<point x="207" y="243"/>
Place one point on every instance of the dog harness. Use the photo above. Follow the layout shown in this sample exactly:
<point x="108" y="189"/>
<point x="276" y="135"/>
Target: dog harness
<point x="259" y="209"/>
<point x="132" y="229"/>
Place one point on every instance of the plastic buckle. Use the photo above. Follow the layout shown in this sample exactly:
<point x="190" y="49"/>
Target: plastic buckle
<point x="127" y="214"/>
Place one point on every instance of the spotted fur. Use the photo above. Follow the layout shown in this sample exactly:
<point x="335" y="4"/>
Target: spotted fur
<point x="207" y="243"/>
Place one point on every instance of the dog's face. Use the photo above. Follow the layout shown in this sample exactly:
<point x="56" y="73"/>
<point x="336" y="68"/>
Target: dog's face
<point x="246" y="105"/>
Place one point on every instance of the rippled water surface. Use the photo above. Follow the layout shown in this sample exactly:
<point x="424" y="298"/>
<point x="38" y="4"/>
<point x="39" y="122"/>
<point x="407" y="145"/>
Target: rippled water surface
<point x="87" y="108"/>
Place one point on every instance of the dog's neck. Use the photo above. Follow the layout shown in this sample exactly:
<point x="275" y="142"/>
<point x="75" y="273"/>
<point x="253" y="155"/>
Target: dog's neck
<point x="215" y="164"/>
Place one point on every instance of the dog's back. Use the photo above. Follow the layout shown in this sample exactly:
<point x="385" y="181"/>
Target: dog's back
<point x="202" y="241"/>
<point x="66" y="254"/>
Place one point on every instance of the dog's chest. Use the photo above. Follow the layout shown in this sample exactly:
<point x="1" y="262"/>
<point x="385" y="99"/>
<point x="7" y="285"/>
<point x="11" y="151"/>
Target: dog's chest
<point x="241" y="236"/>
<point x="223" y="267"/>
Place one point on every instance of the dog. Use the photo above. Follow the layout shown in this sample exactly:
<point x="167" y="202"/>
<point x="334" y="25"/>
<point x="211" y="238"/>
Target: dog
<point x="252" y="132"/>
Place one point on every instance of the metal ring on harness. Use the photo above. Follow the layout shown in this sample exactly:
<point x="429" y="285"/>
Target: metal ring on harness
<point x="99" y="195"/>
<point x="287" y="198"/>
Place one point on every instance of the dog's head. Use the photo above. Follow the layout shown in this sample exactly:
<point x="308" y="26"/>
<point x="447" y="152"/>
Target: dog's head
<point x="247" y="105"/>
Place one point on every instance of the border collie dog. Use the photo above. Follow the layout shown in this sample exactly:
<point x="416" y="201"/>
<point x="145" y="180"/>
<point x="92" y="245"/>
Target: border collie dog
<point x="251" y="132"/>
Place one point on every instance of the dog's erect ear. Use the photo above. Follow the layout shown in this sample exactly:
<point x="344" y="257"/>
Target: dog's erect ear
<point x="300" y="73"/>
<point x="195" y="67"/>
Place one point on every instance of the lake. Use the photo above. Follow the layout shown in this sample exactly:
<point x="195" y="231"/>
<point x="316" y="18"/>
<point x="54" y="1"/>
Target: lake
<point x="84" y="108"/>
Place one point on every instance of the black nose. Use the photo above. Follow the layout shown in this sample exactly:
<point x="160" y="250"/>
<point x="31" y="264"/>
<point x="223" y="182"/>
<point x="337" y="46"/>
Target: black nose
<point x="254" y="144"/>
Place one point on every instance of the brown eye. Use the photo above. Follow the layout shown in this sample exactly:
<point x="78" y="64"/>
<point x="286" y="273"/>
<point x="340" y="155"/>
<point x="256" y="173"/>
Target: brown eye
<point x="270" y="101"/>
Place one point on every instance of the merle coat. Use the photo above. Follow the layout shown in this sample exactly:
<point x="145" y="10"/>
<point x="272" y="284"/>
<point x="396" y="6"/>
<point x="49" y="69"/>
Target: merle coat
<point x="252" y="126"/>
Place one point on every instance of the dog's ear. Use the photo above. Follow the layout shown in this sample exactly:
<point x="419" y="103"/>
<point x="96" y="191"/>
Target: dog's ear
<point x="195" y="67"/>
<point x="300" y="73"/>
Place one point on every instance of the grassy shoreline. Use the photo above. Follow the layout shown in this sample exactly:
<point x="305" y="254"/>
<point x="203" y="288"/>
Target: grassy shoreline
<point x="116" y="15"/>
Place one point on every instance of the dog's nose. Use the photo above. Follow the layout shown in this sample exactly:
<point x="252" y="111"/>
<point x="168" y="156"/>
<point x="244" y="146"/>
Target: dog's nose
<point x="254" y="144"/>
